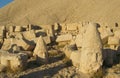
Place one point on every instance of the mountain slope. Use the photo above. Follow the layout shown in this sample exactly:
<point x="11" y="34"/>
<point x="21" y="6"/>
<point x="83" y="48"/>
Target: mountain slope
<point x="21" y="12"/>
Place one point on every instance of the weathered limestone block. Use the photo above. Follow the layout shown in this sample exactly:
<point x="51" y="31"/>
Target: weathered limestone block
<point x="75" y="57"/>
<point x="117" y="33"/>
<point x="64" y="38"/>
<point x="68" y="49"/>
<point x="2" y="34"/>
<point x="40" y="51"/>
<point x="29" y="35"/>
<point x="1" y="42"/>
<point x="46" y="39"/>
<point x="11" y="29"/>
<point x="56" y="26"/>
<point x="18" y="35"/>
<point x="24" y="45"/>
<point x="2" y="31"/>
<point x="25" y="28"/>
<point x="80" y="25"/>
<point x="79" y="40"/>
<point x="18" y="28"/>
<point x="105" y="33"/>
<point x="63" y="28"/>
<point x="29" y="27"/>
<point x="91" y="53"/>
<point x="72" y="53"/>
<point x="15" y="35"/>
<point x="14" y="61"/>
<point x="113" y="42"/>
<point x="8" y="43"/>
<point x="51" y="32"/>
<point x="72" y="27"/>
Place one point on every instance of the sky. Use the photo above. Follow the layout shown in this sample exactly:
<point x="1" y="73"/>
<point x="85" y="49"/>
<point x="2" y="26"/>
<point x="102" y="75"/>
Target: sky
<point x="4" y="2"/>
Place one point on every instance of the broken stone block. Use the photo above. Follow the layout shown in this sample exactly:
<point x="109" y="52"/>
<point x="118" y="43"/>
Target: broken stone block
<point x="79" y="40"/>
<point x="1" y="42"/>
<point x="50" y="30"/>
<point x="72" y="27"/>
<point x="47" y="39"/>
<point x="18" y="28"/>
<point x="56" y="26"/>
<point x="91" y="52"/>
<point x="24" y="45"/>
<point x="80" y="26"/>
<point x="29" y="35"/>
<point x="63" y="28"/>
<point x="25" y="28"/>
<point x="113" y="42"/>
<point x="72" y="53"/>
<point x="11" y="29"/>
<point x="2" y="32"/>
<point x="64" y="38"/>
<point x="15" y="35"/>
<point x="18" y="35"/>
<point x="14" y="61"/>
<point x="117" y="33"/>
<point x="75" y="57"/>
<point x="40" y="51"/>
<point x="29" y="27"/>
<point x="105" y="33"/>
<point x="8" y="43"/>
<point x="68" y="49"/>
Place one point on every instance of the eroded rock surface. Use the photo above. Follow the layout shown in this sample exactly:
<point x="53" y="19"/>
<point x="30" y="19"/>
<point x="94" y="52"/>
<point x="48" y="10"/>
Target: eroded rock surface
<point x="91" y="53"/>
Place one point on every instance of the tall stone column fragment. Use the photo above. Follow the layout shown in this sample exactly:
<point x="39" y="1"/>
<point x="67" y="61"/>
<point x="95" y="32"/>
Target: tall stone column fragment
<point x="91" y="53"/>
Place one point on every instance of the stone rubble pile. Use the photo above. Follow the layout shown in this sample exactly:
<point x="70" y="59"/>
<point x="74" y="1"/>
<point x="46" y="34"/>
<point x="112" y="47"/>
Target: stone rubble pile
<point x="19" y="43"/>
<point x="88" y="45"/>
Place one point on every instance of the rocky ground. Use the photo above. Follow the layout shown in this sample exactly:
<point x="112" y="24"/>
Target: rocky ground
<point x="22" y="12"/>
<point x="59" y="67"/>
<point x="113" y="72"/>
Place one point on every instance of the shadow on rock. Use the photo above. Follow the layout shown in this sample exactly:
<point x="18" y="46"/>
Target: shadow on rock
<point x="110" y="57"/>
<point x="44" y="73"/>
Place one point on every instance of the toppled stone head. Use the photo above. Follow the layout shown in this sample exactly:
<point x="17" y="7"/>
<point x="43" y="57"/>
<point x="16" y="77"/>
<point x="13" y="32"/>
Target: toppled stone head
<point x="91" y="53"/>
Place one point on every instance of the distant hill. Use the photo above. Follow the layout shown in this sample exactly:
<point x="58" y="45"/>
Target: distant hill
<point x="22" y="12"/>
